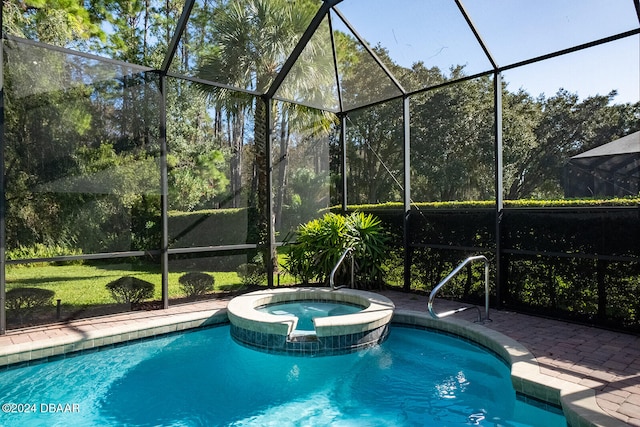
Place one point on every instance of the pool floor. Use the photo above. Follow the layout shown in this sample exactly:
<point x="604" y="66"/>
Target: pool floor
<point x="306" y="311"/>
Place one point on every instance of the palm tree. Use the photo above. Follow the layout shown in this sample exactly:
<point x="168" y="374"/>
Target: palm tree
<point x="254" y="38"/>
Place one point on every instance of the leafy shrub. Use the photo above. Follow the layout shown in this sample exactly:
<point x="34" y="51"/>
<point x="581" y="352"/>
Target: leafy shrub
<point x="40" y="250"/>
<point x="194" y="284"/>
<point x="129" y="289"/>
<point x="28" y="298"/>
<point x="24" y="301"/>
<point x="252" y="273"/>
<point x="321" y="242"/>
<point x="520" y="203"/>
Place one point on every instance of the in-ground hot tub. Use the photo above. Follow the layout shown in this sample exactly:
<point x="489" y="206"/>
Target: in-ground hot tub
<point x="333" y="334"/>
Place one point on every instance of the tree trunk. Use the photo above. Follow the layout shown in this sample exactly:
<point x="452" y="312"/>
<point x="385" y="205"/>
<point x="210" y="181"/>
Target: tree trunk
<point x="235" y="164"/>
<point x="283" y="163"/>
<point x="259" y="219"/>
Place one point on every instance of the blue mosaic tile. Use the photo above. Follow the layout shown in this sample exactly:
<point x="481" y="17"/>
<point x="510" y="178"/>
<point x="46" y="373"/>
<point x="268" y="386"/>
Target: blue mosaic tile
<point x="309" y="345"/>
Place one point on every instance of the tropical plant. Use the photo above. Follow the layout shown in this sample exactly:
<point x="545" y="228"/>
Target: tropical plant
<point x="369" y="244"/>
<point x="254" y="39"/>
<point x="321" y="242"/>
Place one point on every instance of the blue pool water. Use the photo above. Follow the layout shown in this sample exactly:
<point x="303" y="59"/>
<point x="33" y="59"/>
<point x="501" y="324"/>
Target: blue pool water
<point x="203" y="378"/>
<point x="306" y="311"/>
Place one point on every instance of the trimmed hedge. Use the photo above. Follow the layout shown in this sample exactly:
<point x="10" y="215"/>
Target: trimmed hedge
<point x="522" y="203"/>
<point x="130" y="290"/>
<point x="28" y="298"/>
<point x="23" y="302"/>
<point x="215" y="227"/>
<point x="577" y="260"/>
<point x="196" y="283"/>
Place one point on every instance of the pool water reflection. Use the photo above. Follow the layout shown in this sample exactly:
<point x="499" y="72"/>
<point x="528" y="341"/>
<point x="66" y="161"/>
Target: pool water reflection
<point x="414" y="378"/>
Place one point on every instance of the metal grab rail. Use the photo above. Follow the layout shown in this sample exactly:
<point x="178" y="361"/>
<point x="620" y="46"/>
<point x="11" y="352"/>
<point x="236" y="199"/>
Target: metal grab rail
<point x="450" y="276"/>
<point x="335" y="269"/>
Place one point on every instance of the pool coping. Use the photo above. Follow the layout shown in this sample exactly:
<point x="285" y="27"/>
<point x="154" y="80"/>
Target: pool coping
<point x="578" y="402"/>
<point x="83" y="340"/>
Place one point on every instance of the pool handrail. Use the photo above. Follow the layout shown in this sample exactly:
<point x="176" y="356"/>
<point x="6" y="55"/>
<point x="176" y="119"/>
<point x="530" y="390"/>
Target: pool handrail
<point x="435" y="290"/>
<point x="335" y="269"/>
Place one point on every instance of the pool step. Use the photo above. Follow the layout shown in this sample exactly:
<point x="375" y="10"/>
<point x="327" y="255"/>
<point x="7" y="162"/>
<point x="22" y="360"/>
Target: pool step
<point x="302" y="336"/>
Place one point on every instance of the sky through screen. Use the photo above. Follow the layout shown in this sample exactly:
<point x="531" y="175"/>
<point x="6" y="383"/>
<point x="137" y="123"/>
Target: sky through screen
<point x="434" y="32"/>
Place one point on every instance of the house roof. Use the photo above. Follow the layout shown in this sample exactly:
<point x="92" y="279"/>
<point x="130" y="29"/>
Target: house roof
<point x="626" y="145"/>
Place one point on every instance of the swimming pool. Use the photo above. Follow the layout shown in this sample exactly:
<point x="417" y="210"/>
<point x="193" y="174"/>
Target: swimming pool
<point x="204" y="378"/>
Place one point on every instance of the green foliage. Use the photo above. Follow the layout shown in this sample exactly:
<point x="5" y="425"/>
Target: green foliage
<point x="28" y="298"/>
<point x="452" y="159"/>
<point x="370" y="247"/>
<point x="55" y="22"/>
<point x="252" y="273"/>
<point x="569" y="259"/>
<point x="305" y="195"/>
<point x="127" y="290"/>
<point x="521" y="203"/>
<point x="539" y="136"/>
<point x="196" y="283"/>
<point x="373" y="150"/>
<point x="146" y="226"/>
<point x="76" y="154"/>
<point x="39" y="250"/>
<point x="119" y="191"/>
<point x="300" y="262"/>
<point x="208" y="228"/>
<point x="25" y="301"/>
<point x="196" y="179"/>
<point x="614" y="201"/>
<point x="321" y="242"/>
<point x="593" y="291"/>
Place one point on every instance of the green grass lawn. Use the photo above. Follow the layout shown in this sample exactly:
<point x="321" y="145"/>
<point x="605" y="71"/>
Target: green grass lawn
<point x="84" y="285"/>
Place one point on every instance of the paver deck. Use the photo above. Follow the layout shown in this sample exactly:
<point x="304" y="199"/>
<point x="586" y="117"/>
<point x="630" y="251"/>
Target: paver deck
<point x="605" y="361"/>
